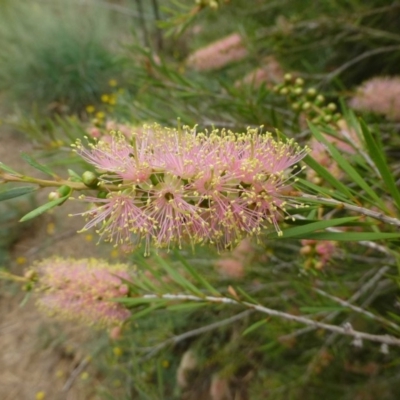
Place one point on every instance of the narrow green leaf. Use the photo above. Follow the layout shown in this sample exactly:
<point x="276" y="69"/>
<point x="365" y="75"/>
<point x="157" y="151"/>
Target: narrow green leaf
<point x="378" y="156"/>
<point x="254" y="326"/>
<point x="178" y="278"/>
<point x="16" y="192"/>
<point x="327" y="176"/>
<point x="312" y="227"/>
<point x="345" y="165"/>
<point x="8" y="169"/>
<point x="350" y="236"/>
<point x="75" y="177"/>
<point x="186" y="306"/>
<point x="146" y="311"/>
<point x="138" y="301"/>
<point x="196" y="275"/>
<point x="42" y="209"/>
<point x="316" y="309"/>
<point x="37" y="165"/>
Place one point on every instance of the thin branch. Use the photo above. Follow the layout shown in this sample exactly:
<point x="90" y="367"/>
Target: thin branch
<point x="364" y="288"/>
<point x="359" y="58"/>
<point x="361" y="210"/>
<point x="195" y="332"/>
<point x="357" y="309"/>
<point x="74" y="374"/>
<point x="343" y="330"/>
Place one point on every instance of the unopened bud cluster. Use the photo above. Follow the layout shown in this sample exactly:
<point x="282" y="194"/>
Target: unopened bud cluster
<point x="307" y="101"/>
<point x="317" y="253"/>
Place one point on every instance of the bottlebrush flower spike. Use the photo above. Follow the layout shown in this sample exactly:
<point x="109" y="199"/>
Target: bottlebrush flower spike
<point x="82" y="290"/>
<point x="380" y="95"/>
<point x="166" y="186"/>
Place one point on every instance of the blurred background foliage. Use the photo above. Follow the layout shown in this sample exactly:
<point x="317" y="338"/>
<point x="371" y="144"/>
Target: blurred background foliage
<point x="75" y="68"/>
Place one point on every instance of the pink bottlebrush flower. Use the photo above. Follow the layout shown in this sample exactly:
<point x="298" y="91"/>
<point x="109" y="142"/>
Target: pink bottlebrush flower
<point x="218" y="54"/>
<point x="173" y="216"/>
<point x="83" y="290"/>
<point x="118" y="217"/>
<point x="214" y="187"/>
<point x="120" y="158"/>
<point x="380" y="95"/>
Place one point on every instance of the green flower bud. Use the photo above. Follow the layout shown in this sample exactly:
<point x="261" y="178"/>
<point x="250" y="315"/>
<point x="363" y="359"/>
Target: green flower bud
<point x="328" y="118"/>
<point x="298" y="91"/>
<point x="320" y="99"/>
<point x="284" y="91"/>
<point x="53" y="196"/>
<point x="64" y="190"/>
<point x="311" y="93"/>
<point x="89" y="178"/>
<point x="299" y="82"/>
<point x="306" y="106"/>
<point x="102" y="195"/>
<point x="296" y="106"/>
<point x="288" y="77"/>
<point x="331" y="107"/>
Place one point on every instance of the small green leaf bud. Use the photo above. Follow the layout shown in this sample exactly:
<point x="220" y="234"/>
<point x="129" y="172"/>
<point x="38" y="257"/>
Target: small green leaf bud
<point x="328" y="118"/>
<point x="89" y="178"/>
<point x="306" y="106"/>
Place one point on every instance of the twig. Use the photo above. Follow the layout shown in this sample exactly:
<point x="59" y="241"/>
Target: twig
<point x="74" y="374"/>
<point x="371" y="283"/>
<point x="195" y="332"/>
<point x="359" y="58"/>
<point x="387" y="339"/>
<point x="357" y="309"/>
<point x="361" y="210"/>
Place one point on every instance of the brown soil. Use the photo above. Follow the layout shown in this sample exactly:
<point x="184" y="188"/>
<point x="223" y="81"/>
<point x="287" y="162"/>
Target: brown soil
<point x="38" y="355"/>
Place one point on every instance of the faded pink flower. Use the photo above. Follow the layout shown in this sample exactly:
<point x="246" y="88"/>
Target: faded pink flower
<point x="168" y="185"/>
<point x="83" y="290"/>
<point x="270" y="73"/>
<point x="218" y="54"/>
<point x="380" y="95"/>
<point x="319" y="253"/>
